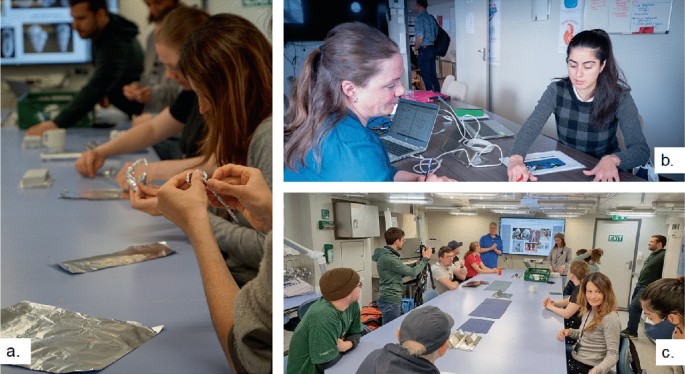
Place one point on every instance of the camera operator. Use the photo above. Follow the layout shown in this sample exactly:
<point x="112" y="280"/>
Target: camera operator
<point x="391" y="271"/>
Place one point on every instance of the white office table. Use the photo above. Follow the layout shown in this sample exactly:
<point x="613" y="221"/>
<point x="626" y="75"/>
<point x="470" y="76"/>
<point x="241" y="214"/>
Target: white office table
<point x="40" y="230"/>
<point x="523" y="340"/>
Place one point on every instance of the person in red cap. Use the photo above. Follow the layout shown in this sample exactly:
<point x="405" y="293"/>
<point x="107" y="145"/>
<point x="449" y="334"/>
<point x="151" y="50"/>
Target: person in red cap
<point x="332" y="325"/>
<point x="424" y="337"/>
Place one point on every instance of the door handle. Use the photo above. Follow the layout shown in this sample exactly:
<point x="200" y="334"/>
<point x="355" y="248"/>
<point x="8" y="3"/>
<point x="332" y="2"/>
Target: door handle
<point x="483" y="51"/>
<point x="630" y="265"/>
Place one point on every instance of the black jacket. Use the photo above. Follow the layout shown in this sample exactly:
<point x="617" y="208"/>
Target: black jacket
<point x="395" y="360"/>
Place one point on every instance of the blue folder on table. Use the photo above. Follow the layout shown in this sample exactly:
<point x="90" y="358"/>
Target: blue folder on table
<point x="491" y="308"/>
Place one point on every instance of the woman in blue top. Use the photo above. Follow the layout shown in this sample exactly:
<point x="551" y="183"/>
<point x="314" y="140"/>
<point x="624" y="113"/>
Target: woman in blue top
<point x="589" y="105"/>
<point x="354" y="76"/>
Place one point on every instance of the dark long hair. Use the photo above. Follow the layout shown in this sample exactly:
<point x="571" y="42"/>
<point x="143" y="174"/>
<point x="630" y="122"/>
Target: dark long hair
<point x="665" y="296"/>
<point x="611" y="82"/>
<point x="603" y="284"/>
<point x="351" y="51"/>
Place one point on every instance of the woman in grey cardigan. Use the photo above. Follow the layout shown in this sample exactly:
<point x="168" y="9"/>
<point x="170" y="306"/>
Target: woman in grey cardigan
<point x="596" y="351"/>
<point x="560" y="256"/>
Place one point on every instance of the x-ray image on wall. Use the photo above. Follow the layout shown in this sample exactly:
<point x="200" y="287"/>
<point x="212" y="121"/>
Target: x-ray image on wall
<point x="48" y="38"/>
<point x="9" y="44"/>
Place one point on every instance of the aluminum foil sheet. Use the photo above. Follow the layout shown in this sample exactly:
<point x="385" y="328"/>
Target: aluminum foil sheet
<point x="103" y="194"/>
<point x="130" y="255"/>
<point x="63" y="341"/>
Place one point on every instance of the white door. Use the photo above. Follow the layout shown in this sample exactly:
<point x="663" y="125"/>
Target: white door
<point x="619" y="241"/>
<point x="471" y="19"/>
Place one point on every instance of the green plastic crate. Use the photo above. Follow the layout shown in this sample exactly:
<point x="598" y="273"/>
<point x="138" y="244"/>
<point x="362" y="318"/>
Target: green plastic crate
<point x="536" y="275"/>
<point x="36" y="107"/>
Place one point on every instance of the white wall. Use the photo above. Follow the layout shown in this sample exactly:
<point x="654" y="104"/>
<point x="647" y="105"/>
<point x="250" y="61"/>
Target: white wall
<point x="653" y="65"/>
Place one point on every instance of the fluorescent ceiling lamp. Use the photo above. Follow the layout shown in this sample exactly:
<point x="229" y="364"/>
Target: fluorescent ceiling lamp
<point x="440" y="208"/>
<point x="454" y="213"/>
<point x="514" y="212"/>
<point x="631" y="213"/>
<point x="410" y="201"/>
<point x="563" y="215"/>
<point x="497" y="206"/>
<point x="583" y="203"/>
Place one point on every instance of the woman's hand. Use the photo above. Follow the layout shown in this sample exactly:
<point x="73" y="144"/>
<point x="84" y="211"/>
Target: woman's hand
<point x="181" y="203"/>
<point x="145" y="199"/>
<point x="563" y="334"/>
<point x="243" y="188"/>
<point x="89" y="163"/>
<point x="606" y="169"/>
<point x="517" y="171"/>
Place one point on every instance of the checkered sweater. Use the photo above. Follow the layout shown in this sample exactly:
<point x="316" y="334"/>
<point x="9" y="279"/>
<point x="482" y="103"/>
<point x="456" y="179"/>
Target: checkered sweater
<point x="576" y="130"/>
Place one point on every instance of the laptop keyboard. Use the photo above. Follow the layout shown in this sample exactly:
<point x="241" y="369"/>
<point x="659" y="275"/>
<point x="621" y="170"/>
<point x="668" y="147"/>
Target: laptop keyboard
<point x="394" y="148"/>
<point x="485" y="130"/>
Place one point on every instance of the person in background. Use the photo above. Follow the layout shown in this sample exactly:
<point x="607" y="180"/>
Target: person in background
<point x="589" y="106"/>
<point x="156" y="91"/>
<point x="456" y="247"/>
<point x="353" y="76"/>
<point x="423" y="336"/>
<point x="446" y="273"/>
<point x="474" y="265"/>
<point x="426" y="31"/>
<point x="596" y="351"/>
<point x="568" y="289"/>
<point x="560" y="255"/>
<point x="391" y="270"/>
<point x="241" y="317"/>
<point x="331" y="327"/>
<point x="652" y="270"/>
<point x="491" y="247"/>
<point x="227" y="62"/>
<point x="118" y="60"/>
<point x="665" y="299"/>
<point x="182" y="116"/>
<point x="569" y="308"/>
<point x="592" y="258"/>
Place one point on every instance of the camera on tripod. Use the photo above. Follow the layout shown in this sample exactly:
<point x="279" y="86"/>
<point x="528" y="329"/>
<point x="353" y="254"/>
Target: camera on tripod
<point x="422" y="248"/>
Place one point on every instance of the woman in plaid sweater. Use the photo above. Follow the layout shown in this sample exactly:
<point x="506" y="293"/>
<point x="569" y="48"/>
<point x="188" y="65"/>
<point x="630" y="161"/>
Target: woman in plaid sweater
<point x="589" y="106"/>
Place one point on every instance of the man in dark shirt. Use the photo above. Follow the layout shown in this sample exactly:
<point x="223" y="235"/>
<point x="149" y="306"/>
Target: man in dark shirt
<point x="651" y="271"/>
<point x="118" y="60"/>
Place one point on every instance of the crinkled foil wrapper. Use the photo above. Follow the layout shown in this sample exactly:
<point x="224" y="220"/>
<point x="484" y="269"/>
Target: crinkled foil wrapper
<point x="130" y="255"/>
<point x="63" y="341"/>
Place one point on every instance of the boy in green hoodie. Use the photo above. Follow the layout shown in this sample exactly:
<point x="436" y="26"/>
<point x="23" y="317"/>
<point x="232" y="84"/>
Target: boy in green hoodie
<point x="391" y="270"/>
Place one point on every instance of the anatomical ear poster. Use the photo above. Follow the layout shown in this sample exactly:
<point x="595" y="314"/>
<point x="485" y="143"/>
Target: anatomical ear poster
<point x="570" y="21"/>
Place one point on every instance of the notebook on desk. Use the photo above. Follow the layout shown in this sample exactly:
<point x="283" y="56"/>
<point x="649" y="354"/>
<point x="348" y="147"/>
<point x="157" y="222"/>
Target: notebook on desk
<point x="489" y="129"/>
<point x="412" y="126"/>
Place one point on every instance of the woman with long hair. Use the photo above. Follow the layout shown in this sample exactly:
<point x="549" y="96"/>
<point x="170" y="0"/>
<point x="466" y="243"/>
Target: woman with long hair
<point x="596" y="351"/>
<point x="569" y="308"/>
<point x="589" y="106"/>
<point x="353" y="77"/>
<point x="473" y="262"/>
<point x="559" y="257"/>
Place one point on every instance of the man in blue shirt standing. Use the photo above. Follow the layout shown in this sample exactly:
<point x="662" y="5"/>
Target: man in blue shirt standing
<point x="426" y="30"/>
<point x="490" y="247"/>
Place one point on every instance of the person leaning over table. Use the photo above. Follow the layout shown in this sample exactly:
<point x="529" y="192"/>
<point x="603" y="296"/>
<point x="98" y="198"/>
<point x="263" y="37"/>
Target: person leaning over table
<point x="423" y="336"/>
<point x="560" y="256"/>
<point x="490" y="246"/>
<point x="446" y="273"/>
<point x="596" y="351"/>
<point x="227" y="62"/>
<point x="664" y="299"/>
<point x="182" y="116"/>
<point x="592" y="257"/>
<point x="353" y="76"/>
<point x="391" y="270"/>
<point x="474" y="264"/>
<point x="118" y="60"/>
<point x="331" y="327"/>
<point x="241" y="317"/>
<point x="589" y="106"/>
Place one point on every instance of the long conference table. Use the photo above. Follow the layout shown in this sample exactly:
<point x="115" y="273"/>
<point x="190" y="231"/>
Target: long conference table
<point x="522" y="340"/>
<point x="39" y="230"/>
<point x="445" y="130"/>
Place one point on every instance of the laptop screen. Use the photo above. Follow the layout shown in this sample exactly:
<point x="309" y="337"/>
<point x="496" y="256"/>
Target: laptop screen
<point x="413" y="121"/>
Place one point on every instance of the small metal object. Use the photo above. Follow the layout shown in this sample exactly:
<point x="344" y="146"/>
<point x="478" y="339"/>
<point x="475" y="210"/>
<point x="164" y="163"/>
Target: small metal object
<point x="130" y="177"/>
<point x="216" y="195"/>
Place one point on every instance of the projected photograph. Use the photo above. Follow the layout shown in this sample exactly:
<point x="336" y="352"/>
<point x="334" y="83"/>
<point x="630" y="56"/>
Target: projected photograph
<point x="48" y="38"/>
<point x="23" y="4"/>
<point x="8" y="42"/>
<point x="529" y="236"/>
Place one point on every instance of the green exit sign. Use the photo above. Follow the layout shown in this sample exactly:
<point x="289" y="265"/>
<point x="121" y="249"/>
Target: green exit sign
<point x="615" y="217"/>
<point x="615" y="238"/>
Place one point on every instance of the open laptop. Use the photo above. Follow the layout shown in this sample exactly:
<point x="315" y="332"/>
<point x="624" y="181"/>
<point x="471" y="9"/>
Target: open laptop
<point x="412" y="126"/>
<point x="489" y="129"/>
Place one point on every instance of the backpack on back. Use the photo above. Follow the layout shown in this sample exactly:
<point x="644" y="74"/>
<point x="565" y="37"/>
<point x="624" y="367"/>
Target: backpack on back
<point x="442" y="41"/>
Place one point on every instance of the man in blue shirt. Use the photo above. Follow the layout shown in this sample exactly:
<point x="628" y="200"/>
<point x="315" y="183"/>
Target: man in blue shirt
<point x="490" y="247"/>
<point x="426" y="30"/>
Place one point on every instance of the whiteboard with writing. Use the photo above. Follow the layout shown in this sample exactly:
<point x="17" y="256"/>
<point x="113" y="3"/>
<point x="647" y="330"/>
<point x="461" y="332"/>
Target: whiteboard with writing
<point x="628" y="16"/>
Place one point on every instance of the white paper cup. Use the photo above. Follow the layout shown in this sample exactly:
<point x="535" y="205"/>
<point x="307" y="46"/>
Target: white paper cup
<point x="55" y="140"/>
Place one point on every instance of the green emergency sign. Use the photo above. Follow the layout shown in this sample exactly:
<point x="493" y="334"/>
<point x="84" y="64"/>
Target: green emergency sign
<point x="615" y="238"/>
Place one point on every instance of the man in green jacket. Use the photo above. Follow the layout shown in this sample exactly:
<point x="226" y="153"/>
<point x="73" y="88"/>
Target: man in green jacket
<point x="118" y="60"/>
<point x="391" y="270"/>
